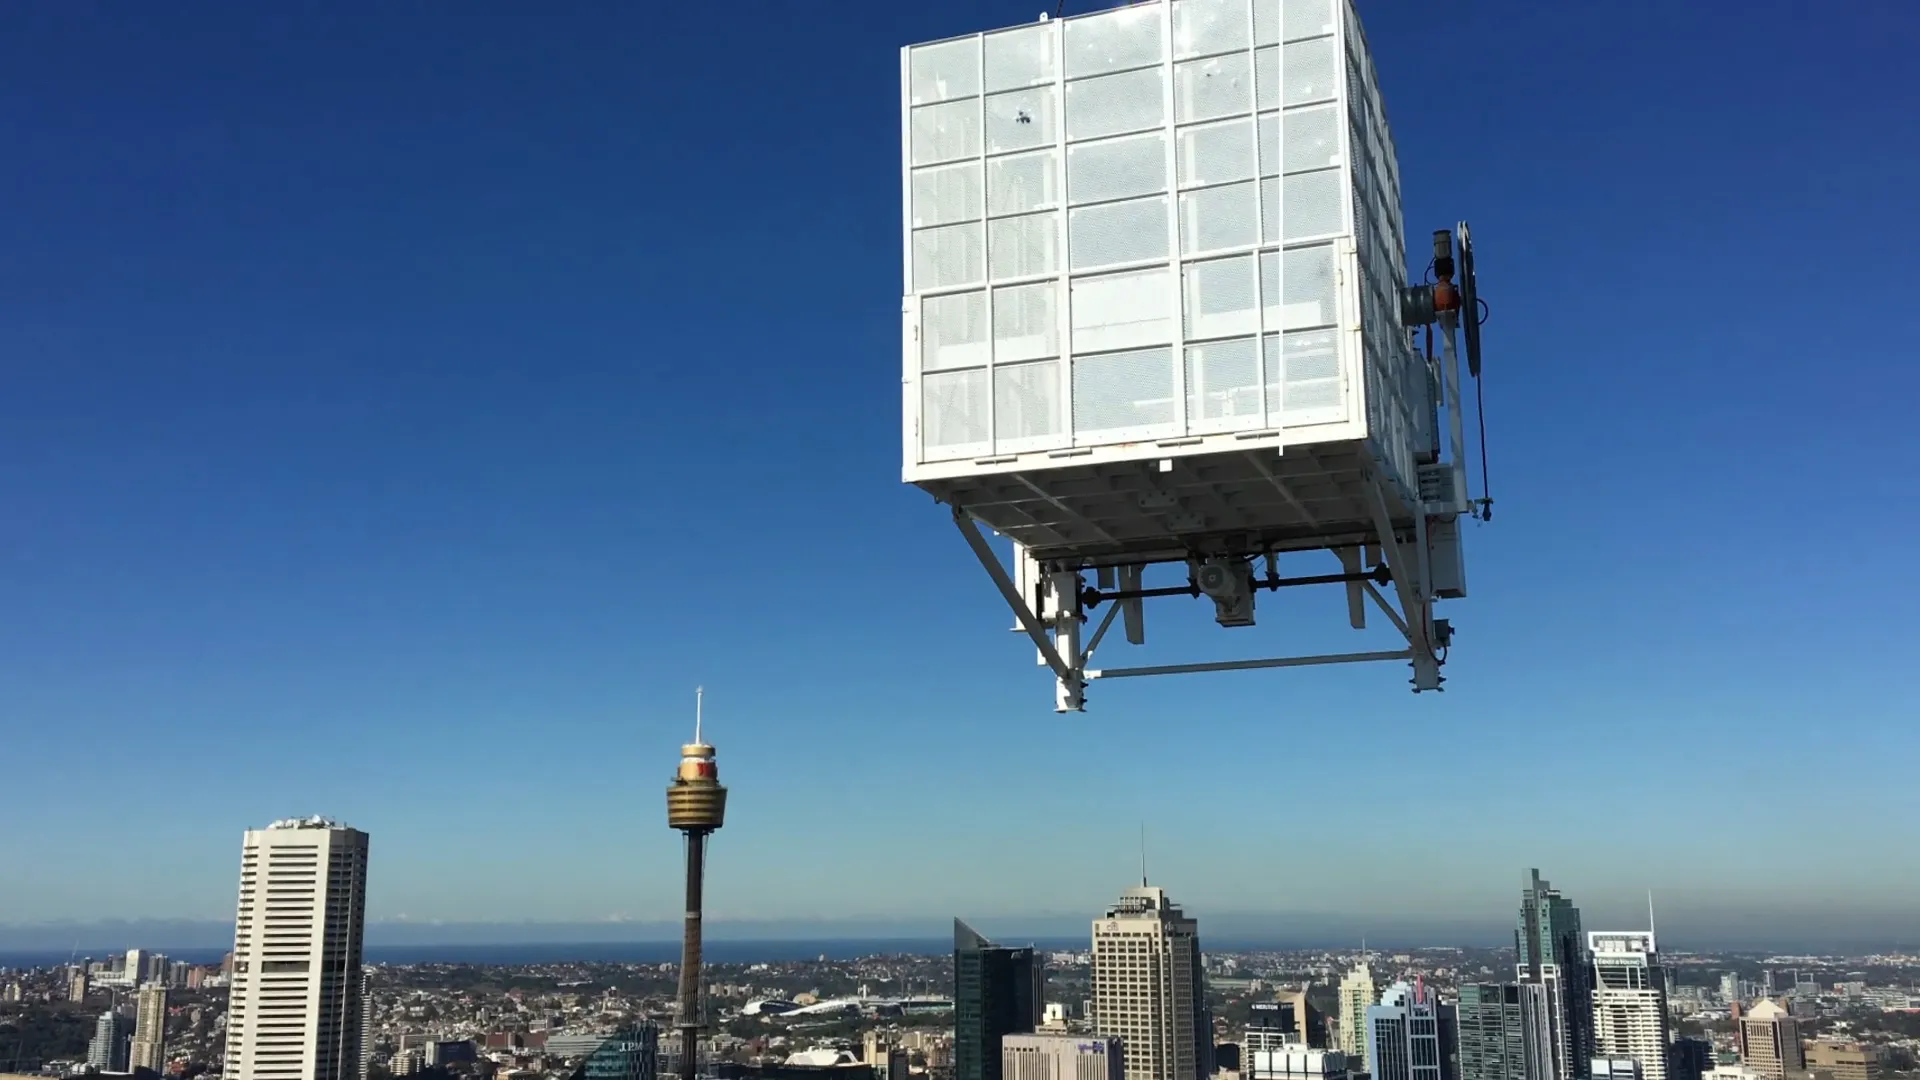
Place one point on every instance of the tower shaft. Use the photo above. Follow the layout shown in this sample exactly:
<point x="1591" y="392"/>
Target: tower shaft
<point x="689" y="1021"/>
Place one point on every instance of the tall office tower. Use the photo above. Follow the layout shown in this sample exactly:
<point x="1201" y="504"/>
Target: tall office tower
<point x="1149" y="990"/>
<point x="132" y="967"/>
<point x="1730" y="987"/>
<point x="1553" y="955"/>
<point x="150" y="1028"/>
<point x="1357" y="995"/>
<point x="696" y="807"/>
<point x="1309" y="1023"/>
<point x="997" y="991"/>
<point x="1769" y="1040"/>
<point x="1411" y="1035"/>
<point x="1493" y="1042"/>
<point x="77" y="984"/>
<point x="1057" y="1056"/>
<point x="1629" y="1001"/>
<point x="294" y="1010"/>
<point x="108" y="1050"/>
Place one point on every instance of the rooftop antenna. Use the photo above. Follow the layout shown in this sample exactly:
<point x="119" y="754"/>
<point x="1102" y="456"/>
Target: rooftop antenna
<point x="699" y="700"/>
<point x="1650" y="914"/>
<point x="1143" y="854"/>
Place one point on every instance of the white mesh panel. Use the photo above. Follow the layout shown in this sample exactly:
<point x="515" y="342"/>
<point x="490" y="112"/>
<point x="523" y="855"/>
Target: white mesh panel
<point x="1022" y="246"/>
<point x="1309" y="379"/>
<point x="1223" y="385"/>
<point x="1022" y="120"/>
<point x="1117" y="233"/>
<point x="1266" y="76"/>
<point x="1122" y="311"/>
<point x="1117" y="168"/>
<point x="946" y="132"/>
<point x="1272" y="211"/>
<point x="947" y="256"/>
<point x="1304" y="295"/>
<point x="1212" y="219"/>
<point x="1266" y="22"/>
<point x="944" y="194"/>
<point x="1315" y="204"/>
<point x="953" y="331"/>
<point x="1216" y="153"/>
<point x="1123" y="393"/>
<point x="1219" y="298"/>
<point x="1113" y="41"/>
<point x="1023" y="183"/>
<point x="1304" y="18"/>
<point x="1204" y="27"/>
<point x="953" y="414"/>
<point x="944" y="71"/>
<point x="1115" y="104"/>
<point x="1025" y="325"/>
<point x="1026" y="403"/>
<point x="1311" y="137"/>
<point x="1213" y="88"/>
<point x="1310" y="71"/>
<point x="1021" y="57"/>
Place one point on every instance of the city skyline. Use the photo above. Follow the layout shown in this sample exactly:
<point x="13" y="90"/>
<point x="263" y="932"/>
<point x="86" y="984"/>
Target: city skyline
<point x="1708" y="929"/>
<point x="380" y="406"/>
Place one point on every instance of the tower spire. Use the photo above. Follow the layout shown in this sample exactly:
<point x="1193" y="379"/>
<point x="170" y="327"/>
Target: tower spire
<point x="699" y="700"/>
<point x="1143" y="854"/>
<point x="1650" y="912"/>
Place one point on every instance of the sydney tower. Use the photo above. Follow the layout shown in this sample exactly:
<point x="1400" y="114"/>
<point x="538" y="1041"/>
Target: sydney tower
<point x="696" y="805"/>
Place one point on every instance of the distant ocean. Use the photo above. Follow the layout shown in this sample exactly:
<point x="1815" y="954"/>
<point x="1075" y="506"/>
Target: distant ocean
<point x="599" y="952"/>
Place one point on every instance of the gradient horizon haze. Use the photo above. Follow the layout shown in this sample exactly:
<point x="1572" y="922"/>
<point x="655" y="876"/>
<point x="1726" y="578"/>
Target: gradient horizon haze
<point x="403" y="408"/>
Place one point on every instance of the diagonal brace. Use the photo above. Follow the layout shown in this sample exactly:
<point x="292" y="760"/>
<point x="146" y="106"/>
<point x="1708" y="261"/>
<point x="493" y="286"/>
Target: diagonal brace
<point x="1028" y="620"/>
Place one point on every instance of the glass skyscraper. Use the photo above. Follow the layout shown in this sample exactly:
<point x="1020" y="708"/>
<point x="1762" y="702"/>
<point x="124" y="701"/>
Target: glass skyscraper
<point x="630" y="1054"/>
<point x="1552" y="955"/>
<point x="1492" y="1036"/>
<point x="996" y="991"/>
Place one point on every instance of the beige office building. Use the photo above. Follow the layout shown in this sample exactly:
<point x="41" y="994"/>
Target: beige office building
<point x="1060" y="1056"/>
<point x="1846" y="1061"/>
<point x="1357" y="992"/>
<point x="150" y="1029"/>
<point x="1148" y="989"/>
<point x="1769" y="1040"/>
<point x="295" y="1010"/>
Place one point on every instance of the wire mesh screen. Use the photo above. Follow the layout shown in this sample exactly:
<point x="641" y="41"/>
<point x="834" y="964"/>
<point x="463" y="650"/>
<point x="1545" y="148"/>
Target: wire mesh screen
<point x="1132" y="224"/>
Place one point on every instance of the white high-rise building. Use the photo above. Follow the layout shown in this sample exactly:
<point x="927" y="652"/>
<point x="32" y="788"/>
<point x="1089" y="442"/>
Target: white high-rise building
<point x="1406" y="1033"/>
<point x="1629" y="1001"/>
<point x="150" y="1028"/>
<point x="296" y="1005"/>
<point x="1149" y="990"/>
<point x="1357" y="995"/>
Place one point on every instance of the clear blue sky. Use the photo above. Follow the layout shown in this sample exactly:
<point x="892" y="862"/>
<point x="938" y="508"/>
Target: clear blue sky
<point x="402" y="407"/>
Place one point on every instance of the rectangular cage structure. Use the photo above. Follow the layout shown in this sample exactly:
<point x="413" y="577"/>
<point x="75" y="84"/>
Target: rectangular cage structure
<point x="1169" y="231"/>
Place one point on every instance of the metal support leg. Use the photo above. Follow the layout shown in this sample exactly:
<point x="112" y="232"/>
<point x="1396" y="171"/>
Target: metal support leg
<point x="1073" y="683"/>
<point x="1409" y="575"/>
<point x="1069" y="689"/>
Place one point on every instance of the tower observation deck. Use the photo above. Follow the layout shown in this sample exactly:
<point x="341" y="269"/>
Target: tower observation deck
<point x="1158" y="331"/>
<point x="696" y="806"/>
